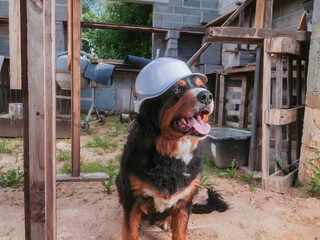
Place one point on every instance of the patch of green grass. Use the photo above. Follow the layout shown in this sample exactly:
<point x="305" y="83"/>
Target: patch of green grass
<point x="112" y="170"/>
<point x="205" y="184"/>
<point x="12" y="178"/>
<point x="106" y="145"/>
<point x="314" y="182"/>
<point x="230" y="172"/>
<point x="248" y="177"/>
<point x="5" y="146"/>
<point x="63" y="155"/>
<point x="90" y="167"/>
<point x="209" y="168"/>
<point x="66" y="168"/>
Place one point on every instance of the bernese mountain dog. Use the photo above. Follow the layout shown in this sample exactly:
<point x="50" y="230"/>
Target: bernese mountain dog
<point x="161" y="165"/>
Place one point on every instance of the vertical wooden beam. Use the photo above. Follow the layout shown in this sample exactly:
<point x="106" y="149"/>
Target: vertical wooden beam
<point x="259" y="15"/>
<point x="278" y="104"/>
<point x="15" y="44"/>
<point x="216" y="98"/>
<point x="265" y="106"/>
<point x="39" y="114"/>
<point x="299" y="101"/>
<point x="244" y="100"/>
<point x="268" y="14"/>
<point x="289" y="100"/>
<point x="223" y="89"/>
<point x="75" y="27"/>
<point x="255" y="111"/>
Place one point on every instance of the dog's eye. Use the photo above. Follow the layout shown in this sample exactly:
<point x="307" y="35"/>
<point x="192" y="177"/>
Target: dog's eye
<point x="178" y="89"/>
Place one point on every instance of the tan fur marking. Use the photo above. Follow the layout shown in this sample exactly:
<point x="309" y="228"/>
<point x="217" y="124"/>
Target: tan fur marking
<point x="166" y="142"/>
<point x="130" y="231"/>
<point x="179" y="222"/>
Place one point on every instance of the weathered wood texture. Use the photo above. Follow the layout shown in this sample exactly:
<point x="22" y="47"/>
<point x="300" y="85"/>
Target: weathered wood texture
<point x="251" y="35"/>
<point x="14" y="44"/>
<point x="280" y="117"/>
<point x="74" y="33"/>
<point x="283" y="45"/>
<point x="259" y="15"/>
<point x="38" y="83"/>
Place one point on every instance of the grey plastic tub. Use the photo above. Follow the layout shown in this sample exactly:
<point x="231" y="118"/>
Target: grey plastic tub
<point x="225" y="144"/>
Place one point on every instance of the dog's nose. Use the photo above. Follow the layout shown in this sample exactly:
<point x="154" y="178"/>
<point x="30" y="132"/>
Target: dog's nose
<point x="205" y="97"/>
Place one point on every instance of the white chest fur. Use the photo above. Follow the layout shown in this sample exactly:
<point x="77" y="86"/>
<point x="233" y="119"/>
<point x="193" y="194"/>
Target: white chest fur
<point x="185" y="150"/>
<point x="161" y="204"/>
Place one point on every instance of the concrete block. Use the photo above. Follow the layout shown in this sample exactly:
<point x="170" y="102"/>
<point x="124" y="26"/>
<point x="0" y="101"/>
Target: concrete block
<point x="210" y="4"/>
<point x="172" y="34"/>
<point x="291" y="7"/>
<point x="157" y="17"/>
<point x="305" y="170"/>
<point x="172" y="18"/>
<point x="314" y="60"/>
<point x="183" y="10"/>
<point x="313" y="100"/>
<point x="195" y="20"/>
<point x="175" y="3"/>
<point x="162" y="25"/>
<point x="208" y="16"/>
<point x="4" y="9"/>
<point x="172" y="44"/>
<point x="191" y="3"/>
<point x="171" y="53"/>
<point x="212" y="67"/>
<point x="161" y="8"/>
<point x="311" y="130"/>
<point x="212" y="55"/>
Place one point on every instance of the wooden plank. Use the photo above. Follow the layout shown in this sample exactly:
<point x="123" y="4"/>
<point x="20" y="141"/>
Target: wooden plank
<point x="289" y="104"/>
<point x="251" y="35"/>
<point x="15" y="44"/>
<point x="259" y="15"/>
<point x="69" y="32"/>
<point x="243" y="119"/>
<point x="234" y="89"/>
<point x="299" y="102"/>
<point x="236" y="13"/>
<point x="265" y="106"/>
<point x="283" y="45"/>
<point x="232" y="113"/>
<point x="38" y="80"/>
<point x="221" y="119"/>
<point x="278" y="104"/>
<point x="280" y="183"/>
<point x="220" y="20"/>
<point x="75" y="86"/>
<point x="198" y="53"/>
<point x="84" y="177"/>
<point x="233" y="101"/>
<point x="303" y="22"/>
<point x="268" y="14"/>
<point x="216" y="98"/>
<point x="278" y="117"/>
<point x="232" y="124"/>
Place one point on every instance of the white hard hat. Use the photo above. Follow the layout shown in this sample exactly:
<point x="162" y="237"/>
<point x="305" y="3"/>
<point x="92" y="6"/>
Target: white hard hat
<point x="159" y="75"/>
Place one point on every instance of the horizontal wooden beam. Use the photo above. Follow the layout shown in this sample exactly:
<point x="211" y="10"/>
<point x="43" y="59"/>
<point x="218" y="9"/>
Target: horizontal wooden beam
<point x="283" y="116"/>
<point x="241" y="35"/>
<point x="84" y="177"/>
<point x="135" y="28"/>
<point x="283" y="45"/>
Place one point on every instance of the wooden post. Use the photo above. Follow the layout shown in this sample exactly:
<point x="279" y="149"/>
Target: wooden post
<point x="217" y="97"/>
<point x="255" y="111"/>
<point x="259" y="16"/>
<point x="278" y="104"/>
<point x="244" y="100"/>
<point x="289" y="103"/>
<point x="39" y="114"/>
<point x="223" y="88"/>
<point x="299" y="101"/>
<point x="15" y="44"/>
<point x="265" y="106"/>
<point x="74" y="33"/>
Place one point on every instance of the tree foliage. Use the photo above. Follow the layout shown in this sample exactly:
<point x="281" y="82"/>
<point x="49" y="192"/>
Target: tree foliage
<point x="112" y="43"/>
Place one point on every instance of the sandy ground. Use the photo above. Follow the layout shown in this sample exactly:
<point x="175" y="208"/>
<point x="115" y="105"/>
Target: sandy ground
<point x="86" y="211"/>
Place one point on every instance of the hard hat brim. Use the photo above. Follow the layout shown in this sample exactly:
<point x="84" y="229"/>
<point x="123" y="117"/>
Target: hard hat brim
<point x="146" y="97"/>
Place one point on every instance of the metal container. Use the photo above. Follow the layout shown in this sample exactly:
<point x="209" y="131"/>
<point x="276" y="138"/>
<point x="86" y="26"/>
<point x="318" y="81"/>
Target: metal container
<point x="63" y="78"/>
<point x="223" y="145"/>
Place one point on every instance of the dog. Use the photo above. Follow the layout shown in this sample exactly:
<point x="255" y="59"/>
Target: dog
<point x="161" y="164"/>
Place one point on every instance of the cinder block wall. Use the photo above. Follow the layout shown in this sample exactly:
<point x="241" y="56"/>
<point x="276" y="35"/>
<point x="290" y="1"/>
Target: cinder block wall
<point x="185" y="13"/>
<point x="310" y="148"/>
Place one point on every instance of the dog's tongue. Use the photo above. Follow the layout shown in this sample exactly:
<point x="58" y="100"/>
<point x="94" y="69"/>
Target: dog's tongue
<point x="200" y="126"/>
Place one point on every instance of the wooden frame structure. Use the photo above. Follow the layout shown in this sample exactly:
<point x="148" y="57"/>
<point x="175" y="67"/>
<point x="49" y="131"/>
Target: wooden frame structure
<point x="38" y="81"/>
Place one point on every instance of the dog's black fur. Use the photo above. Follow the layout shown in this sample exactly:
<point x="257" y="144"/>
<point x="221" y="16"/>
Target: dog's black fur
<point x="150" y="170"/>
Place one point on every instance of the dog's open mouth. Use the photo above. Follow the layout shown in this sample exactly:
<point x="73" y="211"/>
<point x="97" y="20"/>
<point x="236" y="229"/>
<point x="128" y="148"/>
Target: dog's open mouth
<point x="195" y="125"/>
